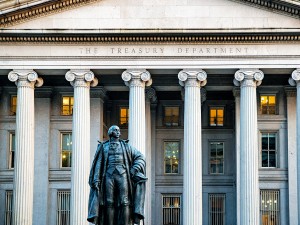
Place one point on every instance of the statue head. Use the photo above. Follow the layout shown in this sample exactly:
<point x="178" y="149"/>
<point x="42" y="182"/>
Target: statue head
<point x="114" y="131"/>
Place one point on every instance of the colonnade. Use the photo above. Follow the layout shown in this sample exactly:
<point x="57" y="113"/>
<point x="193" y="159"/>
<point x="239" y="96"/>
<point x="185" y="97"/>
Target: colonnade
<point x="137" y="81"/>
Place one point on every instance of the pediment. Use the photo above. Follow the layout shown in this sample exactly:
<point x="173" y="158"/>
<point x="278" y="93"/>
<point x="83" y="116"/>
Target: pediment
<point x="123" y="16"/>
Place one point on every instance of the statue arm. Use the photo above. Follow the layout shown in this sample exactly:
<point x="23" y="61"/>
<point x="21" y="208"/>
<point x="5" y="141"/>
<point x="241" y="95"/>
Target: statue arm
<point x="94" y="177"/>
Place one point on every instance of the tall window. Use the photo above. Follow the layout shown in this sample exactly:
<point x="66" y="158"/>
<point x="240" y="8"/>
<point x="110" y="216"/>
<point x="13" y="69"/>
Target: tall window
<point x="66" y="149"/>
<point x="124" y="116"/>
<point x="268" y="152"/>
<point x="171" y="209"/>
<point x="216" y="158"/>
<point x="67" y="105"/>
<point x="12" y="148"/>
<point x="217" y="209"/>
<point x="63" y="208"/>
<point x="269" y="207"/>
<point x="216" y="116"/>
<point x="171" y="116"/>
<point x="268" y="104"/>
<point x="171" y="151"/>
<point x="8" y="207"/>
<point x="13" y="105"/>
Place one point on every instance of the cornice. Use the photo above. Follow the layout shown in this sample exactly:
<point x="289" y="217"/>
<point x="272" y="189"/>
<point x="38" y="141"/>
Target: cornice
<point x="27" y="13"/>
<point x="149" y="38"/>
<point x="286" y="7"/>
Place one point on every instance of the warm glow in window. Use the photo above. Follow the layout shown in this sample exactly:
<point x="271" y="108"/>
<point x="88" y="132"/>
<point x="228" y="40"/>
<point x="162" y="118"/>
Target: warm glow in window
<point x="124" y="116"/>
<point x="67" y="105"/>
<point x="13" y="105"/>
<point x="171" y="209"/>
<point x="268" y="104"/>
<point x="66" y="150"/>
<point x="216" y="116"/>
<point x="269" y="207"/>
<point x="171" y="116"/>
<point x="171" y="150"/>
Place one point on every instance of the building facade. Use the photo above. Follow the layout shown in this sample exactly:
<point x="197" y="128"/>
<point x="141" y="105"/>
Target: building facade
<point x="207" y="90"/>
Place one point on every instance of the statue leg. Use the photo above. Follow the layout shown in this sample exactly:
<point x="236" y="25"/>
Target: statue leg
<point x="110" y="199"/>
<point x="123" y="189"/>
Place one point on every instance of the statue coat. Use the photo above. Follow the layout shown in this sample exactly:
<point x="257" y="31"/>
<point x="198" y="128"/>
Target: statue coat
<point x="132" y="159"/>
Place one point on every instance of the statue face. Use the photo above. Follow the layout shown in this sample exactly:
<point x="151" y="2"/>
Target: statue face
<point x="116" y="133"/>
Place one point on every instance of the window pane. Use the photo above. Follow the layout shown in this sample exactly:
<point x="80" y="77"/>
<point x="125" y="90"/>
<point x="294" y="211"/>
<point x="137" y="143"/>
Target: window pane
<point x="124" y="116"/>
<point x="171" y="116"/>
<point x="171" y="157"/>
<point x="66" y="150"/>
<point x="264" y="141"/>
<point x="216" y="158"/>
<point x="272" y="159"/>
<point x="67" y="105"/>
<point x="268" y="104"/>
<point x="216" y="116"/>
<point x="272" y="143"/>
<point x="13" y="105"/>
<point x="264" y="158"/>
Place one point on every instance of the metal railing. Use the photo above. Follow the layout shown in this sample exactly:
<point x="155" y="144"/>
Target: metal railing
<point x="171" y="209"/>
<point x="63" y="207"/>
<point x="269" y="207"/>
<point x="217" y="209"/>
<point x="8" y="207"/>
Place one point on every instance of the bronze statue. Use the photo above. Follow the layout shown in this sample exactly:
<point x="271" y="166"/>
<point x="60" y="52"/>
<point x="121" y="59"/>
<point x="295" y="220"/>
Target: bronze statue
<point x="117" y="180"/>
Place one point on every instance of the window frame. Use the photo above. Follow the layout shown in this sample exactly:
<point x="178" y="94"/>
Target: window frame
<point x="11" y="155"/>
<point x="67" y="192"/>
<point x="211" y="212"/>
<point x="8" y="207"/>
<point x="179" y="156"/>
<point x="164" y="115"/>
<point x="276" y="149"/>
<point x="119" y="116"/>
<point x="209" y="115"/>
<point x="71" y="107"/>
<point x="276" y="102"/>
<point x="209" y="164"/>
<point x="61" y="149"/>
<point x="276" y="192"/>
<point x="170" y="195"/>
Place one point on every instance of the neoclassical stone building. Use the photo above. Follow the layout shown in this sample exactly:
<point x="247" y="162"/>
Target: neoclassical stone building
<point x="207" y="90"/>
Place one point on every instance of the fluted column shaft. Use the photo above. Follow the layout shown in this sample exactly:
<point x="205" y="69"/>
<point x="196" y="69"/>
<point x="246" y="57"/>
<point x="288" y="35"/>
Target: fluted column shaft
<point x="24" y="154"/>
<point x="136" y="80"/>
<point x="192" y="173"/>
<point x="81" y="81"/>
<point x="249" y="187"/>
<point x="295" y="81"/>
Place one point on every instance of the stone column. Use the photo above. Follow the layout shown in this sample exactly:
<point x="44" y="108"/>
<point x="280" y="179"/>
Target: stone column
<point x="150" y="98"/>
<point x="25" y="80"/>
<point x="236" y="93"/>
<point x="295" y="81"/>
<point x="81" y="80"/>
<point x="136" y="80"/>
<point x="192" y="81"/>
<point x="248" y="80"/>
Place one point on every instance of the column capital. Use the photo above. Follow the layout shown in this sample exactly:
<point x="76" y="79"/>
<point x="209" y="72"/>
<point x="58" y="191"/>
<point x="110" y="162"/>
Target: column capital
<point x="25" y="78"/>
<point x="81" y="78"/>
<point x="137" y="78"/>
<point x="192" y="78"/>
<point x="295" y="78"/>
<point x="151" y="95"/>
<point x="248" y="77"/>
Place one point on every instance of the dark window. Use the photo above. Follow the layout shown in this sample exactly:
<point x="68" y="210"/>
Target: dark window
<point x="268" y="152"/>
<point x="66" y="149"/>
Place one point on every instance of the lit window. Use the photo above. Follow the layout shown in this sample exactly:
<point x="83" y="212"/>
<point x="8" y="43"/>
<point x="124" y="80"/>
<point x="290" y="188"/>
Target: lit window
<point x="8" y="207"/>
<point x="124" y="116"/>
<point x="216" y="209"/>
<point x="268" y="104"/>
<point x="171" y="151"/>
<point x="12" y="148"/>
<point x="216" y="158"/>
<point x="171" y="209"/>
<point x="63" y="207"/>
<point x="171" y="116"/>
<point x="268" y="151"/>
<point x="67" y="105"/>
<point x="66" y="149"/>
<point x="216" y="116"/>
<point x="269" y="207"/>
<point x="13" y="105"/>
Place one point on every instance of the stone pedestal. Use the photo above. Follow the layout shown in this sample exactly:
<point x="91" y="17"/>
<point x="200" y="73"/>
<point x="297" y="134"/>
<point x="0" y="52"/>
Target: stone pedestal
<point x="24" y="153"/>
<point x="192" y="173"/>
<point x="248" y="80"/>
<point x="295" y="81"/>
<point x="81" y="80"/>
